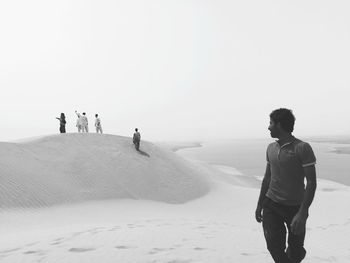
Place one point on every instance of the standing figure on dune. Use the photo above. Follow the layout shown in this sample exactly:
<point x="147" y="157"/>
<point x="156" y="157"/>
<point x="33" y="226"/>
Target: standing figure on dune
<point x="79" y="121"/>
<point x="82" y="122"/>
<point x="62" y="120"/>
<point x="136" y="139"/>
<point x="284" y="200"/>
<point x="98" y="124"/>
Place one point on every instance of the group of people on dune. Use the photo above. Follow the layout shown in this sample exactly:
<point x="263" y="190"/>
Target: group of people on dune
<point x="83" y="126"/>
<point x="82" y="123"/>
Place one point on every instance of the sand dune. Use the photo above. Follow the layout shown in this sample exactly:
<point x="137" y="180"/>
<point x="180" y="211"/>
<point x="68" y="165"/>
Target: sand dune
<point x="101" y="201"/>
<point x="80" y="167"/>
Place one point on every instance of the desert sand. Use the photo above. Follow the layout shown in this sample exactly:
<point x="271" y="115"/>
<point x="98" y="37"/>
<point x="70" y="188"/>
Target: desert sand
<point x="93" y="198"/>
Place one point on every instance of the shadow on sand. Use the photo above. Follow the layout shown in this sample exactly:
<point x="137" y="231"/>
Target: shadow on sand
<point x="143" y="153"/>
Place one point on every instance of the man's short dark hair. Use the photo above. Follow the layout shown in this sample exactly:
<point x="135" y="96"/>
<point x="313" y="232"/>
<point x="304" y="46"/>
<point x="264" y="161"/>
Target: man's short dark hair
<point x="136" y="129"/>
<point x="285" y="117"/>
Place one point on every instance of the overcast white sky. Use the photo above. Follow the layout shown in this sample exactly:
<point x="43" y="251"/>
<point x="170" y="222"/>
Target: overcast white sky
<point x="177" y="69"/>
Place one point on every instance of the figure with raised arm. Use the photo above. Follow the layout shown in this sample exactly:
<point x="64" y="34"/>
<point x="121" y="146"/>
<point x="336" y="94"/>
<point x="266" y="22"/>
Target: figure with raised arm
<point x="83" y="121"/>
<point x="79" y="122"/>
<point x="62" y="120"/>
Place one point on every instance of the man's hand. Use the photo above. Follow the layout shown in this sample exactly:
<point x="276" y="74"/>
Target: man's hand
<point x="258" y="214"/>
<point x="298" y="224"/>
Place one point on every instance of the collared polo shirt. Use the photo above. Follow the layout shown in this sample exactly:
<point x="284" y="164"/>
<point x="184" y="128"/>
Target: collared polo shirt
<point x="287" y="164"/>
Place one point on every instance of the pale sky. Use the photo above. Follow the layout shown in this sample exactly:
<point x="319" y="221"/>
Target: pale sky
<point x="176" y="69"/>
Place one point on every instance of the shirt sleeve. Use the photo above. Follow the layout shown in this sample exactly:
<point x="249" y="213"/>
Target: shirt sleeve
<point x="307" y="155"/>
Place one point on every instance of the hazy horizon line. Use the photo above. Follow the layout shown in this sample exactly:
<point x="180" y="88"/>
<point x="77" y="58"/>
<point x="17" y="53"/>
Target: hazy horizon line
<point x="315" y="136"/>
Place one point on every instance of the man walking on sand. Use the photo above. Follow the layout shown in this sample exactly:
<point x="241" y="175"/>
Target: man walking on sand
<point x="98" y="124"/>
<point x="284" y="200"/>
<point x="136" y="139"/>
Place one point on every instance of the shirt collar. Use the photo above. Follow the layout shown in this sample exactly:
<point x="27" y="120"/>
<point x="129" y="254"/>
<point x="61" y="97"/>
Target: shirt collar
<point x="287" y="143"/>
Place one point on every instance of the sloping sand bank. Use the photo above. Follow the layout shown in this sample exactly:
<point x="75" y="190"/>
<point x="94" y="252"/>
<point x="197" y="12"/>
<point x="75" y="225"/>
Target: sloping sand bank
<point x="71" y="168"/>
<point x="199" y="222"/>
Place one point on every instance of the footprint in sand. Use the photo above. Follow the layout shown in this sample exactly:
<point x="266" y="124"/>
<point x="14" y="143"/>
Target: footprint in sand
<point x="30" y="252"/>
<point x="172" y="261"/>
<point x="32" y="244"/>
<point x="158" y="250"/>
<point x="94" y="232"/>
<point x="125" y="247"/>
<point x="75" y="234"/>
<point x="115" y="228"/>
<point x="199" y="248"/>
<point x="10" y="250"/>
<point x="179" y="261"/>
<point x="91" y="231"/>
<point x="246" y="254"/>
<point x="57" y="241"/>
<point x="134" y="226"/>
<point x="81" y="249"/>
<point x="38" y="252"/>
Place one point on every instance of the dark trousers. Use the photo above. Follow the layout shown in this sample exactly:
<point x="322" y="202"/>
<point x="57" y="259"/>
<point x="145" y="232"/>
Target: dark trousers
<point x="276" y="221"/>
<point x="137" y="145"/>
<point x="62" y="129"/>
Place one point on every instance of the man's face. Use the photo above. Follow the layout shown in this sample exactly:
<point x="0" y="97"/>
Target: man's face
<point x="274" y="129"/>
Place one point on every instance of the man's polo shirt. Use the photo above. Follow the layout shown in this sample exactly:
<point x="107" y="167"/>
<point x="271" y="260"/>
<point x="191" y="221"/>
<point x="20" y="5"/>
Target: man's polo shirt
<point x="287" y="164"/>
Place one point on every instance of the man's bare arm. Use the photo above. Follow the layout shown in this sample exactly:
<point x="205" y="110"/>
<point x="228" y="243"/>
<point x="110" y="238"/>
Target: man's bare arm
<point x="299" y="221"/>
<point x="264" y="187"/>
<point x="311" y="185"/>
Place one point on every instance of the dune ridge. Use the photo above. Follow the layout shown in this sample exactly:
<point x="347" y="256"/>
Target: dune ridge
<point x="68" y="168"/>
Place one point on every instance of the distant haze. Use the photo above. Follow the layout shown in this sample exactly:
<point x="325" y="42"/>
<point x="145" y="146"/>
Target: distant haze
<point x="177" y="70"/>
